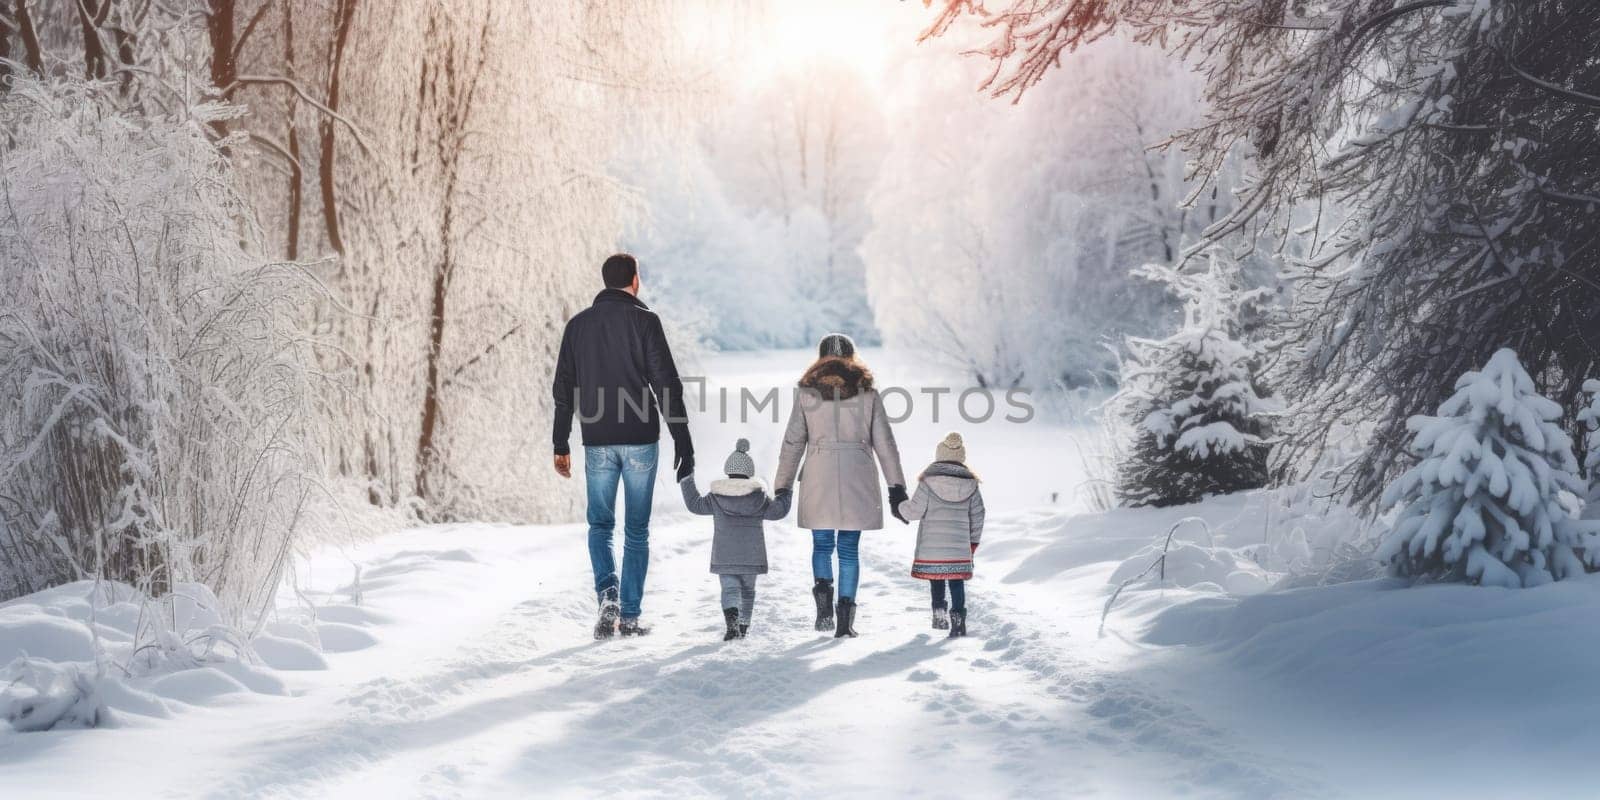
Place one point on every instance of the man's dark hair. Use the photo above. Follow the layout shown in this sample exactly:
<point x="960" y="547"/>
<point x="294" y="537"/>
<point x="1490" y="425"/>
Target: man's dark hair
<point x="619" y="270"/>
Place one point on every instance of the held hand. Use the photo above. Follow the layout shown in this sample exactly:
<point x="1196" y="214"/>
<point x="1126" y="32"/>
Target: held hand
<point x="897" y="495"/>
<point x="685" y="466"/>
<point x="564" y="466"/>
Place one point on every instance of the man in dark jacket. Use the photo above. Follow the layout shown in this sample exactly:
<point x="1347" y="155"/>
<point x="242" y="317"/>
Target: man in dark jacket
<point x="616" y="372"/>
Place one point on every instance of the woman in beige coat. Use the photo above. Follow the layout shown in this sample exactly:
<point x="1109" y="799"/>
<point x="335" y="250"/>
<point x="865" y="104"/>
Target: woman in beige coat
<point x="836" y="430"/>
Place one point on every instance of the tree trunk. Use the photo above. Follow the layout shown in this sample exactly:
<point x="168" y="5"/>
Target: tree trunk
<point x="30" y="39"/>
<point x="91" y="14"/>
<point x="5" y="52"/>
<point x="455" y="110"/>
<point x="430" y="398"/>
<point x="125" y="47"/>
<point x="344" y="15"/>
<point x="426" y="440"/>
<point x="291" y="247"/>
<point x="224" y="68"/>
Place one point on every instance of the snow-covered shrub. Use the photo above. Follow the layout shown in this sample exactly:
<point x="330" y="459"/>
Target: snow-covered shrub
<point x="1201" y="419"/>
<point x="40" y="695"/>
<point x="1494" y="497"/>
<point x="152" y="377"/>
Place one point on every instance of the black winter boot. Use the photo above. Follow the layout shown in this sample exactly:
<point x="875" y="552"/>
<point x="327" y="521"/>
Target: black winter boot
<point x="847" y="618"/>
<point x="609" y="611"/>
<point x="958" y="624"/>
<point x="731" y="616"/>
<point x="822" y="592"/>
<point x="941" y="618"/>
<point x="630" y="627"/>
<point x="744" y="630"/>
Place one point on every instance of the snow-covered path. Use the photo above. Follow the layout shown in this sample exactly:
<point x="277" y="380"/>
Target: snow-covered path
<point x="484" y="682"/>
<point x="461" y="664"/>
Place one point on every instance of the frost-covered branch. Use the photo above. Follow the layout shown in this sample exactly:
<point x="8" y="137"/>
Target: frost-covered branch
<point x="1449" y="139"/>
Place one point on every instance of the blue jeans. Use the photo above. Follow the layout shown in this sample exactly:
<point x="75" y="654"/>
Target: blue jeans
<point x="849" y="559"/>
<point x="634" y="466"/>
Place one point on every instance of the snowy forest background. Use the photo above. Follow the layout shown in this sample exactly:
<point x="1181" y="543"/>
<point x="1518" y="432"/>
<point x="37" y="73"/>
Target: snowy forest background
<point x="280" y="270"/>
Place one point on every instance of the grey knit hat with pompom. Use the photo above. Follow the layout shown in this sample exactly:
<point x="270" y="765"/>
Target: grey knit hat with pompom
<point x="740" y="463"/>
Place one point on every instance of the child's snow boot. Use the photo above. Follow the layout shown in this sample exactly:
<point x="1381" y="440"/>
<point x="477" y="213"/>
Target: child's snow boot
<point x="744" y="629"/>
<point x="941" y="619"/>
<point x="822" y="592"/>
<point x="958" y="623"/>
<point x="846" y="615"/>
<point x="630" y="627"/>
<point x="609" y="611"/>
<point x="731" y="616"/>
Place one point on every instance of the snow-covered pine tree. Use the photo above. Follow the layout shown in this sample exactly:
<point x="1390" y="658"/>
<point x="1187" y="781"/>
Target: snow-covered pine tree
<point x="1201" y="419"/>
<point x="1494" y="497"/>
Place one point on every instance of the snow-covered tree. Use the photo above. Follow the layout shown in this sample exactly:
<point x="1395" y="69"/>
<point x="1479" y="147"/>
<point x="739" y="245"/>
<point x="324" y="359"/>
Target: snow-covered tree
<point x="1003" y="235"/>
<point x="1442" y="154"/>
<point x="1494" y="498"/>
<point x="707" y="261"/>
<point x="442" y="165"/>
<point x="1201" y="421"/>
<point x="754" y="221"/>
<point x="1589" y="418"/>
<point x="439" y="169"/>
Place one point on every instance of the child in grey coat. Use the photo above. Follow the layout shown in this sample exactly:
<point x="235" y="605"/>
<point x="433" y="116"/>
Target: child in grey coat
<point x="737" y="504"/>
<point x="950" y="506"/>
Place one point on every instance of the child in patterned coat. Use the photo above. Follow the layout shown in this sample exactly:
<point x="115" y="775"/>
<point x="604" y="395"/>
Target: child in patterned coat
<point x="950" y="507"/>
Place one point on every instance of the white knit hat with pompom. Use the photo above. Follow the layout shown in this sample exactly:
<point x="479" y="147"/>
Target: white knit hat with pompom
<point x="951" y="448"/>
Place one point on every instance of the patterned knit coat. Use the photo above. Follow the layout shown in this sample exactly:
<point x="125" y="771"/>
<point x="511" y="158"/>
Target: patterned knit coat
<point x="950" y="507"/>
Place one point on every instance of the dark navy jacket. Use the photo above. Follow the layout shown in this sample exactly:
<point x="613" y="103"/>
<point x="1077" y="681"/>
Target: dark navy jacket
<point x="616" y="372"/>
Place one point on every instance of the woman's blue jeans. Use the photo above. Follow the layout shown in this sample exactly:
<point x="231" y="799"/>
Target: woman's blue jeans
<point x="849" y="546"/>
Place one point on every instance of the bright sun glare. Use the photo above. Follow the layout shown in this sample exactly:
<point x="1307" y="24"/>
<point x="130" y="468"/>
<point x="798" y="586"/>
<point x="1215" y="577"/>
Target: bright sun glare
<point x="848" y="33"/>
<point x="795" y="36"/>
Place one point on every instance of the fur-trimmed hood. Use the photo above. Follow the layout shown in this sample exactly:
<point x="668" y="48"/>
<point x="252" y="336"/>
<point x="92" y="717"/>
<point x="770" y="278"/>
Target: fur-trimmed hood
<point x="741" y="497"/>
<point x="951" y="481"/>
<point x="737" y="487"/>
<point x="837" y="378"/>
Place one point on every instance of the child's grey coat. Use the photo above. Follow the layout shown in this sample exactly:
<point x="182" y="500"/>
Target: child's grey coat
<point x="737" y="507"/>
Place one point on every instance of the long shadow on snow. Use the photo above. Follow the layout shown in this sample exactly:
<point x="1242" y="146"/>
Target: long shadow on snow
<point x="687" y="714"/>
<point x="358" y="740"/>
<point x="678" y="703"/>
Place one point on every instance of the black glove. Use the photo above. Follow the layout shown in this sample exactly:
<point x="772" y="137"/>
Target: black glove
<point x="782" y="492"/>
<point x="685" y="464"/>
<point x="897" y="495"/>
